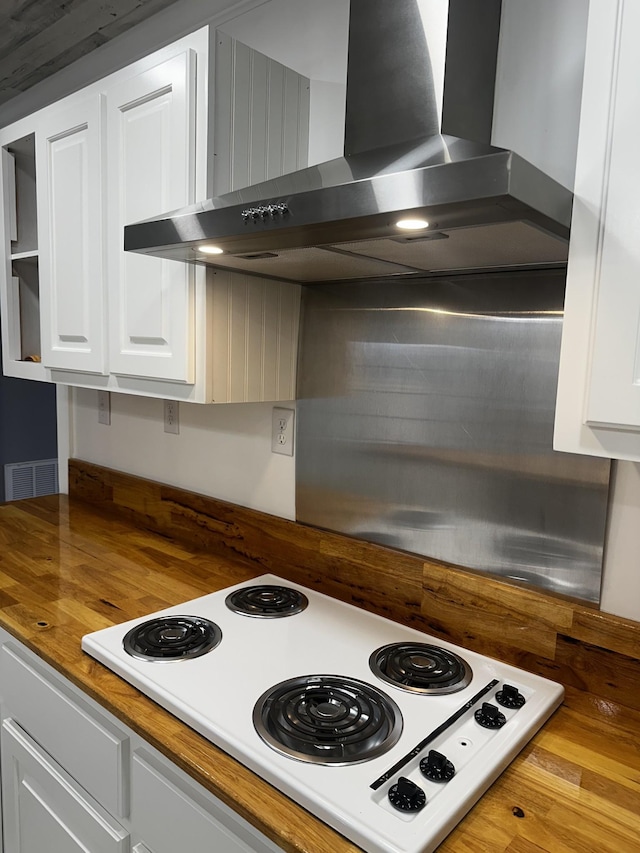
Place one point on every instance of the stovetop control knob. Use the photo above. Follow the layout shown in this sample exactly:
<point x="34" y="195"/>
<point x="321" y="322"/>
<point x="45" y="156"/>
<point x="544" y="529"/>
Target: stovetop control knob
<point x="437" y="767"/>
<point x="407" y="796"/>
<point x="490" y="717"/>
<point x="510" y="697"/>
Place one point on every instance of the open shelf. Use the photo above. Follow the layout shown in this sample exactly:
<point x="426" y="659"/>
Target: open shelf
<point x="24" y="256"/>
<point x="21" y="323"/>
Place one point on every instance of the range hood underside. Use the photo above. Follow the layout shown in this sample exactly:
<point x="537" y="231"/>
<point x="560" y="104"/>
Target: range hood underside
<point x="503" y="245"/>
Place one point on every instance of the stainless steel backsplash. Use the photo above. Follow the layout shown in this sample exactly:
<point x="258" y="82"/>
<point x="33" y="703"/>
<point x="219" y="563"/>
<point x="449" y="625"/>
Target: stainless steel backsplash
<point x="425" y="422"/>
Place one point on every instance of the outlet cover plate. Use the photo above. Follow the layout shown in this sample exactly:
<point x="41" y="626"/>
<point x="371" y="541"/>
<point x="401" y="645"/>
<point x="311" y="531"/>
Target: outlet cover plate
<point x="282" y="430"/>
<point x="104" y="408"/>
<point x="172" y="417"/>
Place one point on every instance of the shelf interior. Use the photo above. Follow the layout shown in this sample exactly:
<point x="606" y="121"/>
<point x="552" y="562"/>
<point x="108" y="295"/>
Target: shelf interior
<point x="24" y="238"/>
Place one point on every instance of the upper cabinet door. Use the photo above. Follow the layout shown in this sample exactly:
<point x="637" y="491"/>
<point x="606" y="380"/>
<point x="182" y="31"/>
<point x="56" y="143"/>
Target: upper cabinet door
<point x="150" y="170"/>
<point x="68" y="164"/>
<point x="598" y="406"/>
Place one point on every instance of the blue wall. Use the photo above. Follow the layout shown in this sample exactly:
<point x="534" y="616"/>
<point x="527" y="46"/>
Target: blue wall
<point x="27" y="422"/>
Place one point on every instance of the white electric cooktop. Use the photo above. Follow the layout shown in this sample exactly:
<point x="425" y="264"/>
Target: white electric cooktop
<point x="387" y="734"/>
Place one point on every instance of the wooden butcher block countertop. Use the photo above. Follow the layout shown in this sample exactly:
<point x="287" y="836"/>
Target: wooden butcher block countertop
<point x="67" y="568"/>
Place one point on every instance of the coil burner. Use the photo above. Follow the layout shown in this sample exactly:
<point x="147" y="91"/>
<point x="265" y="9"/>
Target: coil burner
<point x="420" y="668"/>
<point x="327" y="719"/>
<point x="267" y="602"/>
<point x="171" y="638"/>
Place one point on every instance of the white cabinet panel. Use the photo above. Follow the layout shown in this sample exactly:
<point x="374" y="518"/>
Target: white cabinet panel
<point x="44" y="809"/>
<point x="70" y="199"/>
<point x="98" y="765"/>
<point x="150" y="169"/>
<point x="598" y="403"/>
<point x="614" y="391"/>
<point x="261" y="119"/>
<point x="255" y="338"/>
<point x="170" y="814"/>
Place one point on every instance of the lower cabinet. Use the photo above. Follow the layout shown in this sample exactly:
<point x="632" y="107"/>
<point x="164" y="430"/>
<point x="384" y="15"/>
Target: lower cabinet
<point x="75" y="780"/>
<point x="45" y="809"/>
<point x="165" y="812"/>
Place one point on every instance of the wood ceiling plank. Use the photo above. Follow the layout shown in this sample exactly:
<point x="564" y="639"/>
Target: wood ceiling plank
<point x="39" y="37"/>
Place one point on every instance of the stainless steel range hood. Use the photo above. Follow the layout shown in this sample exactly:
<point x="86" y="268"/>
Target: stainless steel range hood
<point x="420" y="91"/>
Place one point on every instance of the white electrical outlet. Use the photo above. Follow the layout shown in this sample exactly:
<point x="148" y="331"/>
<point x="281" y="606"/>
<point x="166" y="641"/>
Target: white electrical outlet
<point x="282" y="431"/>
<point x="171" y="417"/>
<point x="104" y="408"/>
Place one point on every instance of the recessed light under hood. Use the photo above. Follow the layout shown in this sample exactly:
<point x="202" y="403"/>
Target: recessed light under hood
<point x="420" y="88"/>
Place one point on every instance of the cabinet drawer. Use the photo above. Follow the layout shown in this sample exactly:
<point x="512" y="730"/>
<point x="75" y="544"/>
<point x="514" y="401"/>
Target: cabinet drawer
<point x="87" y="745"/>
<point x="45" y="809"/>
<point x="170" y="813"/>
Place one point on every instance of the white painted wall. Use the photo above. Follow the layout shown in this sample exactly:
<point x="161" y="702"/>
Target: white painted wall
<point x="326" y="121"/>
<point x="310" y="37"/>
<point x="621" y="576"/>
<point x="539" y="82"/>
<point x="223" y="451"/>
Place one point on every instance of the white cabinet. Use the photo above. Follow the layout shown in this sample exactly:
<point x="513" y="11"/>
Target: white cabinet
<point x="69" y="196"/>
<point x="76" y="780"/>
<point x="45" y="809"/>
<point x="123" y="149"/>
<point x="131" y="145"/>
<point x="62" y="765"/>
<point x="598" y="405"/>
<point x="1" y="702"/>
<point x="166" y="809"/>
<point x="59" y="721"/>
<point x="135" y="144"/>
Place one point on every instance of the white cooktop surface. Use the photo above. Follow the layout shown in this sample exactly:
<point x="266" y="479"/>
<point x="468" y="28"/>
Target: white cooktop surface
<point x="216" y="694"/>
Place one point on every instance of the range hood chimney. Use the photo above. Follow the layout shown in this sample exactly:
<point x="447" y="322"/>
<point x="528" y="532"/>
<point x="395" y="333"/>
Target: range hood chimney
<point x="420" y="69"/>
<point x="420" y="93"/>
